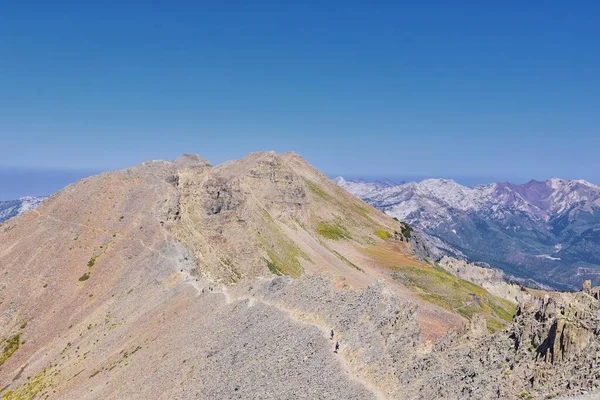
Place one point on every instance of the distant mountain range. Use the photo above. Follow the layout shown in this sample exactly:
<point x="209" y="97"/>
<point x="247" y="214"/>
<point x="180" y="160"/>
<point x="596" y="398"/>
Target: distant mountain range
<point x="12" y="208"/>
<point x="548" y="231"/>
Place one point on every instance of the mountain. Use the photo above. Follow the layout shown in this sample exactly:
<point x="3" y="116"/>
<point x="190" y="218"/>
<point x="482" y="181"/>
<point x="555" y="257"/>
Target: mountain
<point x="178" y="279"/>
<point x="548" y="231"/>
<point x="363" y="188"/>
<point x="12" y="208"/>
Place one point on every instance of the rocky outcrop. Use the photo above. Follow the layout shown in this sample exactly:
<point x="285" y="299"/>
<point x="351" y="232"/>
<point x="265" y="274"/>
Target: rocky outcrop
<point x="551" y="348"/>
<point x="493" y="280"/>
<point x="559" y="327"/>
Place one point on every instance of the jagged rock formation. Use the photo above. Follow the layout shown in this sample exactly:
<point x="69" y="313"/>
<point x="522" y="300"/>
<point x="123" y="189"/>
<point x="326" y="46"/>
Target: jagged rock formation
<point x="550" y="349"/>
<point x="182" y="280"/>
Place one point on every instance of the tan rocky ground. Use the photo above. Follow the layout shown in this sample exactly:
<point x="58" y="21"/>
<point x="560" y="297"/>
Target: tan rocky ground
<point x="178" y="280"/>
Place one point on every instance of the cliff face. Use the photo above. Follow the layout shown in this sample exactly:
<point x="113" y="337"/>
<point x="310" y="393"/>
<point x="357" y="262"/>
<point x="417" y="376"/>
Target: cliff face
<point x="559" y="327"/>
<point x="561" y="333"/>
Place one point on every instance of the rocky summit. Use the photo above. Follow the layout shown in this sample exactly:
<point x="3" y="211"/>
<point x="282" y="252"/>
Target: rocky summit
<point x="261" y="278"/>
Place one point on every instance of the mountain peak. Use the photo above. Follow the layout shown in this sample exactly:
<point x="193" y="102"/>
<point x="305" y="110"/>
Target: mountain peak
<point x="190" y="160"/>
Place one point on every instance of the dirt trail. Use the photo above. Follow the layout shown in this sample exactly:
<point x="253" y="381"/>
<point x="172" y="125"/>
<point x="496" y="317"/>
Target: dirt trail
<point x="305" y="319"/>
<point x="52" y="218"/>
<point x="302" y="318"/>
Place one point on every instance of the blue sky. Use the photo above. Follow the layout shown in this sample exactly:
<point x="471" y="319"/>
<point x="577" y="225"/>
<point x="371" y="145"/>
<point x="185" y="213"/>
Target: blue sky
<point x="454" y="89"/>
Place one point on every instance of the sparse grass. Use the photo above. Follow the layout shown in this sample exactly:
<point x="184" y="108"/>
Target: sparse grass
<point x="348" y="262"/>
<point x="273" y="268"/>
<point x="439" y="287"/>
<point x="234" y="275"/>
<point x="300" y="224"/>
<point x="333" y="231"/>
<point x="494" y="325"/>
<point x="30" y="388"/>
<point x="284" y="261"/>
<point x="362" y="210"/>
<point x="382" y="234"/>
<point x="502" y="308"/>
<point x="92" y="261"/>
<point x="11" y="345"/>
<point x="337" y="198"/>
<point x="316" y="189"/>
<point x="282" y="253"/>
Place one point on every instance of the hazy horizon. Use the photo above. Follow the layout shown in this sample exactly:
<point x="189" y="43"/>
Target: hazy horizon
<point x="16" y="182"/>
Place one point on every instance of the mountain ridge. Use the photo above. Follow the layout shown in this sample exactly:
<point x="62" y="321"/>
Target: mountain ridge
<point x="178" y="279"/>
<point x="551" y="224"/>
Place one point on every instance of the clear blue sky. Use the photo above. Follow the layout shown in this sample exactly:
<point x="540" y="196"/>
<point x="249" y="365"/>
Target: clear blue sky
<point x="509" y="90"/>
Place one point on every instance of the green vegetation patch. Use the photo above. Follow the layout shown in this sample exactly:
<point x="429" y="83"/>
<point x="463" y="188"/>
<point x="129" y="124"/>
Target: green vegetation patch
<point x="90" y="264"/>
<point x="383" y="234"/>
<point x="282" y="253"/>
<point x="92" y="261"/>
<point x="273" y="268"/>
<point x="333" y="231"/>
<point x="10" y="347"/>
<point x="234" y="274"/>
<point x="362" y="210"/>
<point x="284" y="261"/>
<point x="31" y="388"/>
<point x="406" y="230"/>
<point x="354" y="211"/>
<point x="316" y="189"/>
<point x="439" y="287"/>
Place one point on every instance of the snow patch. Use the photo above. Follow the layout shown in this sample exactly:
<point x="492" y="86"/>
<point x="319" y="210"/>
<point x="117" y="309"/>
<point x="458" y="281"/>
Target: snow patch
<point x="548" y="257"/>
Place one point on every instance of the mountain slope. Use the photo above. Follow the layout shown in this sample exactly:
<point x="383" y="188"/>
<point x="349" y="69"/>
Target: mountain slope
<point x="117" y="265"/>
<point x="182" y="280"/>
<point x="12" y="208"/>
<point x="547" y="231"/>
